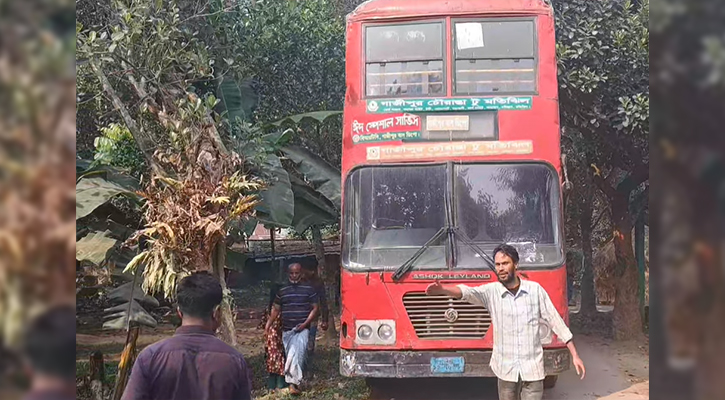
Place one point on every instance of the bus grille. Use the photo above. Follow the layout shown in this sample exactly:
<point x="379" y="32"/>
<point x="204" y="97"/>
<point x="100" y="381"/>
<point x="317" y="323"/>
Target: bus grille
<point x="428" y="314"/>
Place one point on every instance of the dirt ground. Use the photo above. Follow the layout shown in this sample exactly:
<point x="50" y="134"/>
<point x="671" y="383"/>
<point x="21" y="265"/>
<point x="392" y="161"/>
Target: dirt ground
<point x="327" y="384"/>
<point x="615" y="370"/>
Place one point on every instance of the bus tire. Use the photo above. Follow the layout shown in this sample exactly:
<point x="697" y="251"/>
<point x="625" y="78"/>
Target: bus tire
<point x="550" y="381"/>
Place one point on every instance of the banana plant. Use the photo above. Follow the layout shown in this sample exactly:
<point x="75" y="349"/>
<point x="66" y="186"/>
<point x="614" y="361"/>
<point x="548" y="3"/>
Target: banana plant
<point x="95" y="186"/>
<point x="305" y="193"/>
<point x="99" y="239"/>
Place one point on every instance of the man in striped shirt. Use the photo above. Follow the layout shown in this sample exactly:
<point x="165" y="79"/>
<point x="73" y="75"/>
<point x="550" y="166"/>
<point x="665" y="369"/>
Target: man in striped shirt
<point x="297" y="304"/>
<point x="516" y="307"/>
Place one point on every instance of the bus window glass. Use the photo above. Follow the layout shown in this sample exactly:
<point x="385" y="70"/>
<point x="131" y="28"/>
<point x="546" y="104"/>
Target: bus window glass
<point x="493" y="57"/>
<point x="515" y="204"/>
<point x="404" y="60"/>
<point x="392" y="212"/>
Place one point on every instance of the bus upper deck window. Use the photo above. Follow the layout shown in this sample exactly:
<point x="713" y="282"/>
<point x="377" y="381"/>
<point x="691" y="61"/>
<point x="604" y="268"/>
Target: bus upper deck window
<point x="494" y="56"/>
<point x="404" y="60"/>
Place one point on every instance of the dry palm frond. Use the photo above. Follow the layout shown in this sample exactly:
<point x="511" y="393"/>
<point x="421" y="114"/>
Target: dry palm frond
<point x="185" y="217"/>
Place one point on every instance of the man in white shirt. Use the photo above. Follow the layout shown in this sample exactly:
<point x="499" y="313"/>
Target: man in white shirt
<point x="516" y="306"/>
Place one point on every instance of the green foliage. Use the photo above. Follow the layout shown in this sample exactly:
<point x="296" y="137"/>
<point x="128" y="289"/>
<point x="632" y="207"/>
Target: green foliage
<point x="296" y="52"/>
<point x="95" y="247"/>
<point x="303" y="189"/>
<point x="603" y="57"/>
<point x="116" y="147"/>
<point x="150" y="57"/>
<point x="93" y="191"/>
<point x="277" y="205"/>
<point x="238" y="99"/>
<point x="318" y="174"/>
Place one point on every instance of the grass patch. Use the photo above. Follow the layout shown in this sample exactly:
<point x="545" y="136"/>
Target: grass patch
<point x="83" y="384"/>
<point x="326" y="385"/>
<point x="110" y="367"/>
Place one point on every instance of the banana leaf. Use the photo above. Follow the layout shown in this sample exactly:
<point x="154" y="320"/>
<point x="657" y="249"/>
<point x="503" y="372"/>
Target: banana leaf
<point x="116" y="318"/>
<point x="93" y="192"/>
<point x="311" y="207"/>
<point x="277" y="201"/>
<point x="238" y="99"/>
<point x="95" y="247"/>
<point x="323" y="177"/>
<point x="314" y="116"/>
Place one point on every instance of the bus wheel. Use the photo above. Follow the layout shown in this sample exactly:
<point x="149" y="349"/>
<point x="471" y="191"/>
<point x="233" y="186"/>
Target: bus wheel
<point x="550" y="381"/>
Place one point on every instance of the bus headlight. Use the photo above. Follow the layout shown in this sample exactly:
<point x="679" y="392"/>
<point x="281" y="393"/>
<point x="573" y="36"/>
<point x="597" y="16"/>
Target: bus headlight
<point x="385" y="332"/>
<point x="364" y="332"/>
<point x="375" y="332"/>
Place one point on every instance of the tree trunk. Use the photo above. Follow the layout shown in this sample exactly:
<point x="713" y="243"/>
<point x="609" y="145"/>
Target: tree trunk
<point x="588" y="294"/>
<point x="326" y="278"/>
<point x="626" y="316"/>
<point x="227" y="331"/>
<point x="128" y="356"/>
<point x="97" y="376"/>
<point x="639" y="256"/>
<point x="711" y="363"/>
<point x="673" y="384"/>
<point x="711" y="302"/>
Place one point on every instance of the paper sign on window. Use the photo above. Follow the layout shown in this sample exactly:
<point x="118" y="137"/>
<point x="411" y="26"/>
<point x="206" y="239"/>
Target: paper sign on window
<point x="469" y="35"/>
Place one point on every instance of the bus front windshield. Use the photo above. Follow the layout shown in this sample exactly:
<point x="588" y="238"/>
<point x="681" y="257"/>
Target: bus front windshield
<point x="392" y="211"/>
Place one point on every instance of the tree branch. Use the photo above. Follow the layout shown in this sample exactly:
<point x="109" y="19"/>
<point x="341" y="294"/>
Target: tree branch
<point x="605" y="187"/>
<point x="639" y="175"/>
<point x="599" y="219"/>
<point x="144" y="142"/>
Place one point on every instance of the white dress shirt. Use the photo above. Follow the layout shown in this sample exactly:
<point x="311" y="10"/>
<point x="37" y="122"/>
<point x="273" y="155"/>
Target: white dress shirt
<point x="517" y="349"/>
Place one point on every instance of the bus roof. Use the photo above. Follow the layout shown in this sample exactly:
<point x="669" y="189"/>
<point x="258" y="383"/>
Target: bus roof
<point x="401" y="9"/>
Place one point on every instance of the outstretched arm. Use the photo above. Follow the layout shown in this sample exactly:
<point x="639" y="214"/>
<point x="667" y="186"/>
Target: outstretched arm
<point x="551" y="316"/>
<point x="475" y="295"/>
<point x="438" y="289"/>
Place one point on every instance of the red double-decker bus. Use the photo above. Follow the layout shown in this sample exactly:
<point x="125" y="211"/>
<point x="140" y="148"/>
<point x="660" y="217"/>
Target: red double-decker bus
<point x="450" y="147"/>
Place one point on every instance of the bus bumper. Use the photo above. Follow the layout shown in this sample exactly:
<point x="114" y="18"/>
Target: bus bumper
<point x="419" y="364"/>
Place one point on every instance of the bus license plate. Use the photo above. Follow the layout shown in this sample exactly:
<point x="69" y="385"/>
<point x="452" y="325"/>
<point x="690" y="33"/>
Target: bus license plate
<point x="447" y="365"/>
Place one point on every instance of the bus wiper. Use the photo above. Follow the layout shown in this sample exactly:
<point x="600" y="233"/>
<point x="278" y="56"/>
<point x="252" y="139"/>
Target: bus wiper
<point x="449" y="232"/>
<point x="408" y="264"/>
<point x="468" y="242"/>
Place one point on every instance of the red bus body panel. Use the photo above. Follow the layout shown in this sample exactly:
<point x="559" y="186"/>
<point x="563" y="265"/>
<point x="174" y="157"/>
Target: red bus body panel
<point x="371" y="296"/>
<point x="374" y="295"/>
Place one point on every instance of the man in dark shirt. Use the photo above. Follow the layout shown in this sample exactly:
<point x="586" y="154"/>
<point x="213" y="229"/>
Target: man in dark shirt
<point x="297" y="304"/>
<point x="312" y="278"/>
<point x="193" y="364"/>
<point x="49" y="349"/>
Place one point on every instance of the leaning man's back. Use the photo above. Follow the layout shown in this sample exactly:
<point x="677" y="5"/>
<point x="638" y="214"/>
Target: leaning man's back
<point x="191" y="365"/>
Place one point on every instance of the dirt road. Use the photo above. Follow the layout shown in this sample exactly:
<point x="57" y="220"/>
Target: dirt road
<point x="614" y="371"/>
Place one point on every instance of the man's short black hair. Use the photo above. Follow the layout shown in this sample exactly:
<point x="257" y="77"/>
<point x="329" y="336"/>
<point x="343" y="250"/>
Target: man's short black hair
<point x="50" y="343"/>
<point x="508" y="250"/>
<point x="198" y="294"/>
